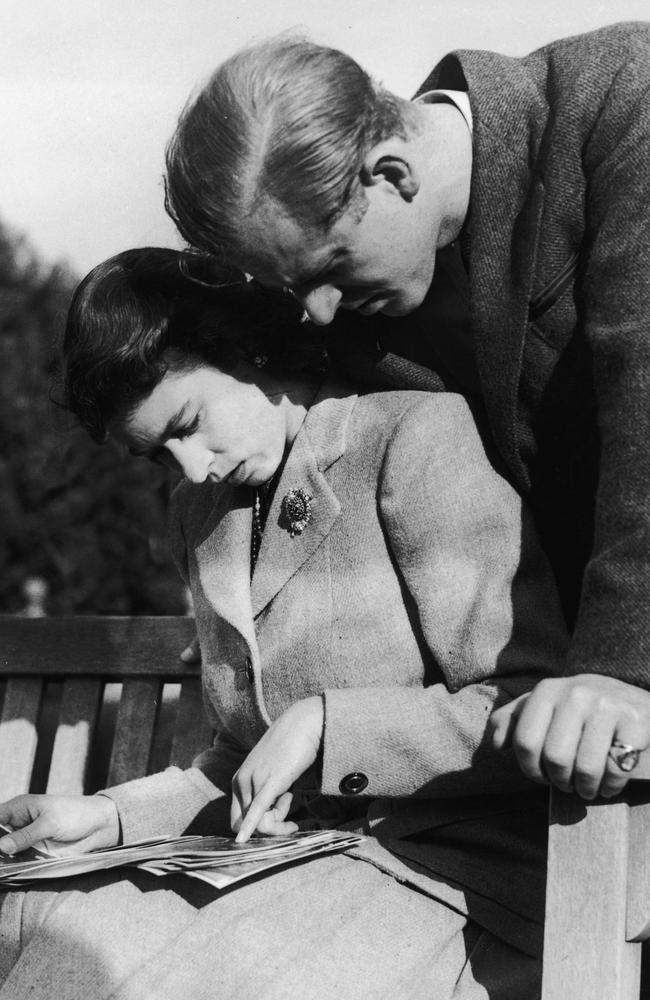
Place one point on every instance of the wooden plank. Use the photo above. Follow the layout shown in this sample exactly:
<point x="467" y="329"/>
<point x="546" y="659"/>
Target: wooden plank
<point x="191" y="730"/>
<point x="586" y="956"/>
<point x="74" y="734"/>
<point x="638" y="877"/>
<point x="96" y="645"/>
<point x="18" y="735"/>
<point x="134" y="729"/>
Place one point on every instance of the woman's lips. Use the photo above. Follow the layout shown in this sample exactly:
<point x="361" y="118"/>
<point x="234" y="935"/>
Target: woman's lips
<point x="237" y="475"/>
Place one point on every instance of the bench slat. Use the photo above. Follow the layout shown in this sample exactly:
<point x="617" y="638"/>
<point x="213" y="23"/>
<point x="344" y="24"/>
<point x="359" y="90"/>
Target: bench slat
<point x="134" y="729"/>
<point x="73" y="741"/>
<point x="95" y="645"/>
<point x="18" y="735"/>
<point x="191" y="730"/>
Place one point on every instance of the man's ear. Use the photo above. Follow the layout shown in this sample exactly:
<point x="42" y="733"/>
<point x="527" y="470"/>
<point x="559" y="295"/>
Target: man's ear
<point x="391" y="161"/>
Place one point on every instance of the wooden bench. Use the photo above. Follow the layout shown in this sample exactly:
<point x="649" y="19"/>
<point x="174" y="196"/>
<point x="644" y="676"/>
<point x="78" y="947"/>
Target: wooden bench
<point x="598" y="894"/>
<point x="56" y="674"/>
<point x="61" y="711"/>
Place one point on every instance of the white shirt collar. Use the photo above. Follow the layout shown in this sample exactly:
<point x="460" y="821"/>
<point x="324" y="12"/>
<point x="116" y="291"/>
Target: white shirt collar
<point x="458" y="97"/>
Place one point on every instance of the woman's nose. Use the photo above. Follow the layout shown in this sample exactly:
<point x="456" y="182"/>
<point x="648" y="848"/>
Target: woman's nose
<point x="320" y="303"/>
<point x="193" y="460"/>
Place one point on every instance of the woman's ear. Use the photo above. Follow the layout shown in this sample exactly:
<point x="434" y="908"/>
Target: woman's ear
<point x="390" y="161"/>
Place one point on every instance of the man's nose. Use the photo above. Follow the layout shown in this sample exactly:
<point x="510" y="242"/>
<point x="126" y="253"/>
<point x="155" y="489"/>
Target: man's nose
<point x="193" y="460"/>
<point x="320" y="303"/>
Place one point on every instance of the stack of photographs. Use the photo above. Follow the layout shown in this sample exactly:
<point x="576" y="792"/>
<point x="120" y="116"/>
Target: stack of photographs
<point x="218" y="860"/>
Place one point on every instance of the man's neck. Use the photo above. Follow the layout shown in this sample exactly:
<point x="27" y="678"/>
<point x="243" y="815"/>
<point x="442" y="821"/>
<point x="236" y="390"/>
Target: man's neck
<point x="446" y="144"/>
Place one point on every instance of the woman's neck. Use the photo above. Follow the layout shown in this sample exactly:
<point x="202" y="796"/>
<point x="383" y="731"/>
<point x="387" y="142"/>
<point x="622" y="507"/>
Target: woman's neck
<point x="294" y="394"/>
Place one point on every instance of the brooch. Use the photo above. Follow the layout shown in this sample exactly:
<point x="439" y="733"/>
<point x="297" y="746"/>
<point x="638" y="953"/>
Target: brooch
<point x="296" y="511"/>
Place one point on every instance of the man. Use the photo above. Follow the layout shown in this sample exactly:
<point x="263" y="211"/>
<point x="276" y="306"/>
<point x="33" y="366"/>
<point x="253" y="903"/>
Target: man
<point x="496" y="231"/>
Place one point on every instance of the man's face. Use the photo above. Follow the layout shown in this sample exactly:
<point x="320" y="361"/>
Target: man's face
<point x="382" y="261"/>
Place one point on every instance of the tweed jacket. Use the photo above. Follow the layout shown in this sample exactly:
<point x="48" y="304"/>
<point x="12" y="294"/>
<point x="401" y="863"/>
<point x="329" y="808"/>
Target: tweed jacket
<point x="559" y="288"/>
<point x="416" y="598"/>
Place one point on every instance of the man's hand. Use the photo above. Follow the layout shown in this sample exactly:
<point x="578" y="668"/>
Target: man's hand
<point x="69" y="823"/>
<point x="562" y="731"/>
<point x="260" y="788"/>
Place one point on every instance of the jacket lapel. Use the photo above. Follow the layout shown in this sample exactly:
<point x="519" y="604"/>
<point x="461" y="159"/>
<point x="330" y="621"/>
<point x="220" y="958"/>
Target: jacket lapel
<point x="223" y="560"/>
<point x="319" y="443"/>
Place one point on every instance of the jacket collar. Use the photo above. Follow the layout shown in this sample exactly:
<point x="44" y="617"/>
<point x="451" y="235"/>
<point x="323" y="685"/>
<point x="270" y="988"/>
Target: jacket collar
<point x="507" y="200"/>
<point x="223" y="554"/>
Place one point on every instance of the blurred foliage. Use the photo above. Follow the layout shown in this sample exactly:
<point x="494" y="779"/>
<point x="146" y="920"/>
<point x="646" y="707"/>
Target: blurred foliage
<point x="88" y="519"/>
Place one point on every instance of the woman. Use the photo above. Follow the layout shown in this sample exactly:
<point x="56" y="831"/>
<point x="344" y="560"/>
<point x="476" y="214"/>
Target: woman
<point x="367" y="589"/>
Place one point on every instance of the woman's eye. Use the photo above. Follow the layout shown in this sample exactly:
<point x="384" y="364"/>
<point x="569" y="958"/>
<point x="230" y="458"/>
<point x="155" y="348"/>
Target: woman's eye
<point x="188" y="430"/>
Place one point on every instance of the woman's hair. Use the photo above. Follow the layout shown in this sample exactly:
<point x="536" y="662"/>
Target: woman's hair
<point x="284" y="119"/>
<point x="143" y="311"/>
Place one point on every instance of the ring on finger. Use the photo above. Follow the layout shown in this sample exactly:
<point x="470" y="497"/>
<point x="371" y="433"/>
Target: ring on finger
<point x="625" y="756"/>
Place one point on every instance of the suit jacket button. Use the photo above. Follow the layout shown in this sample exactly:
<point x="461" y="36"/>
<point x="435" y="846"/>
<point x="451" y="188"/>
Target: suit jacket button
<point x="250" y="673"/>
<point x="353" y="784"/>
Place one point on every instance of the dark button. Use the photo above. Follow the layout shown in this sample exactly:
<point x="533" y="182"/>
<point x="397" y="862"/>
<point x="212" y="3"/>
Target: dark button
<point x="250" y="673"/>
<point x="353" y="784"/>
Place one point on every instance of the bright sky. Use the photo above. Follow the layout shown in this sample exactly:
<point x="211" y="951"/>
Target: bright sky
<point x="90" y="90"/>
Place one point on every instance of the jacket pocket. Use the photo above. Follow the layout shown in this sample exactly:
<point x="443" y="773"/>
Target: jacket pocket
<point x="552" y="315"/>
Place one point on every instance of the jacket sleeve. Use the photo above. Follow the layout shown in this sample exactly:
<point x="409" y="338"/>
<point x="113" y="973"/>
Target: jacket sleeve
<point x="487" y="608"/>
<point x="612" y="634"/>
<point x="169" y="802"/>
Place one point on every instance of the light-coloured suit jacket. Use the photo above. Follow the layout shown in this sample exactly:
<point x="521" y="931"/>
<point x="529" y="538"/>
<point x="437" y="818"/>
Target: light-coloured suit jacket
<point x="415" y="599"/>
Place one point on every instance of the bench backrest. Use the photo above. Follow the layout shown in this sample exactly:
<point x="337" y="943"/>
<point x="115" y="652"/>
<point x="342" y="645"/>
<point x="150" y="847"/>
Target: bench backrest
<point x="79" y="691"/>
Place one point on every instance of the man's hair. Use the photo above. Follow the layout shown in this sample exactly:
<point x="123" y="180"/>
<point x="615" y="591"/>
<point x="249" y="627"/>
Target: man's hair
<point x="285" y="119"/>
<point x="142" y="312"/>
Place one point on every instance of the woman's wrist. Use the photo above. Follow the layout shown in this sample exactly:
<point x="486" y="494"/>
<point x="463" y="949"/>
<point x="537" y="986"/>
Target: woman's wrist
<point x="111" y="826"/>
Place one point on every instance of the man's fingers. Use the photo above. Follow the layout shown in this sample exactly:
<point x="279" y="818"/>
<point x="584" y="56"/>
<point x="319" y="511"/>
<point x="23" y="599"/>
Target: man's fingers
<point x="629" y="733"/>
<point x="530" y="732"/>
<point x="503" y="722"/>
<point x="591" y="757"/>
<point x="561" y="745"/>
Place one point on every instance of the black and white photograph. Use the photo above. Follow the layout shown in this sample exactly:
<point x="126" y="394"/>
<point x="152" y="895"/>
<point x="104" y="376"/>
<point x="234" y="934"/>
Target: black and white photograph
<point x="325" y="500"/>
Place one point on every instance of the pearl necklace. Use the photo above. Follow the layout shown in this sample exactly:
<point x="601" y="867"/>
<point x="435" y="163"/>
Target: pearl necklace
<point x="261" y="502"/>
<point x="258" y="529"/>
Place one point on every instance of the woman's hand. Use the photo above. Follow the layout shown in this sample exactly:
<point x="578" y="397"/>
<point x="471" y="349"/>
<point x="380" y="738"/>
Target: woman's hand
<point x="191" y="653"/>
<point x="69" y="823"/>
<point x="562" y="731"/>
<point x="260" y="799"/>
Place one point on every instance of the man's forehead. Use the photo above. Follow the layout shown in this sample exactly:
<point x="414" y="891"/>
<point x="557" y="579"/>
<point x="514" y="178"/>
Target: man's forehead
<point x="279" y="250"/>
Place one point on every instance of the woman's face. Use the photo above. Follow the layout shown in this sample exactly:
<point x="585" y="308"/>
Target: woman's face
<point x="211" y="425"/>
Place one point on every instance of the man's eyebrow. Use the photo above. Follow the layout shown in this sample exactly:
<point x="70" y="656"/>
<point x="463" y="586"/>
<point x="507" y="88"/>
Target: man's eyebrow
<point x="307" y="278"/>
